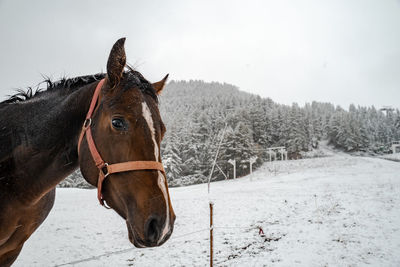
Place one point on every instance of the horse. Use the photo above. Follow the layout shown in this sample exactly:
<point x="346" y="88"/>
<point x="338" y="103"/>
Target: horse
<point x="114" y="114"/>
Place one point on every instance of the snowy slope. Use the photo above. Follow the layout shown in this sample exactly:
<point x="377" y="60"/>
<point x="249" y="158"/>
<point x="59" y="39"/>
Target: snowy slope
<point x="394" y="157"/>
<point x="333" y="211"/>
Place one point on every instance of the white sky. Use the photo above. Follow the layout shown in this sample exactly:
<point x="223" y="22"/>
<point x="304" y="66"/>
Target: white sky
<point x="292" y="51"/>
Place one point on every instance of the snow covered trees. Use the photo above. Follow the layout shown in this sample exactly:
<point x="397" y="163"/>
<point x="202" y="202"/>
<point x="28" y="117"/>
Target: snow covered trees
<point x="196" y="112"/>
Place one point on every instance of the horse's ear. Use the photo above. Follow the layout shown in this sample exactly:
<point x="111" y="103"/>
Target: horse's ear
<point x="116" y="62"/>
<point x="159" y="86"/>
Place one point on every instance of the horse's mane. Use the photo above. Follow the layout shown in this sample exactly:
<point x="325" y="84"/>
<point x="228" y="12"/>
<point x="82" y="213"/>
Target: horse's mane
<point x="131" y="78"/>
<point x="63" y="83"/>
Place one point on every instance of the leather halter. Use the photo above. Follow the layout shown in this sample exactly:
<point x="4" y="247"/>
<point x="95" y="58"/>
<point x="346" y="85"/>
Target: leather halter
<point x="105" y="169"/>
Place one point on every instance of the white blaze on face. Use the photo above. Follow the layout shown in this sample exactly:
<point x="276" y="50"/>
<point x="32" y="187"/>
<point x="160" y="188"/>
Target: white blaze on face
<point x="161" y="179"/>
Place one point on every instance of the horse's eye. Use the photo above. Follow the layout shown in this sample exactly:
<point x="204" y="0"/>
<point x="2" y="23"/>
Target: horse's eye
<point x="118" y="123"/>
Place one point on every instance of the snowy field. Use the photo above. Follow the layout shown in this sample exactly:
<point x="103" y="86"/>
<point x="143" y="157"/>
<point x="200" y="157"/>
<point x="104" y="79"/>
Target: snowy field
<point x="332" y="211"/>
<point x="394" y="157"/>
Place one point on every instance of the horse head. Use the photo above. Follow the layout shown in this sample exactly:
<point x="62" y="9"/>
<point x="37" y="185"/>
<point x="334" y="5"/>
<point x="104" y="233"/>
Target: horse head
<point x="126" y="126"/>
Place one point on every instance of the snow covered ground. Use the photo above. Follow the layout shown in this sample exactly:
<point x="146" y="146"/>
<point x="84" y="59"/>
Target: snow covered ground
<point x="394" y="157"/>
<point x="332" y="211"/>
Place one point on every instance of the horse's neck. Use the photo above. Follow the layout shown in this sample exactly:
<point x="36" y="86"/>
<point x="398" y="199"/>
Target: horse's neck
<point x="49" y="152"/>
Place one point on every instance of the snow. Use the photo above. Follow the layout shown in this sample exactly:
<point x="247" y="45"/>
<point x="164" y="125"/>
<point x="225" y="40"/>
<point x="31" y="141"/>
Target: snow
<point x="394" y="157"/>
<point x="332" y="211"/>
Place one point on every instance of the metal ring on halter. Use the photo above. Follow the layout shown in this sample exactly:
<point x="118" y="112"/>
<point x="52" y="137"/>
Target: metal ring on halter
<point x="87" y="123"/>
<point x="105" y="173"/>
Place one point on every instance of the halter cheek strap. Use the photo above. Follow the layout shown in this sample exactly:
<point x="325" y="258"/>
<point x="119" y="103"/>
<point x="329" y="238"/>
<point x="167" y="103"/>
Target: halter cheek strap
<point x="106" y="169"/>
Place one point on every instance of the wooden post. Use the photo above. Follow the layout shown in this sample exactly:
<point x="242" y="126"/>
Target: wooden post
<point x="211" y="234"/>
<point x="233" y="162"/>
<point x="234" y="170"/>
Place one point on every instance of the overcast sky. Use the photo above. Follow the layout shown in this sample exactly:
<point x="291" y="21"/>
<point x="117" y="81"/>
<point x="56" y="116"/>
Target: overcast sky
<point x="291" y="51"/>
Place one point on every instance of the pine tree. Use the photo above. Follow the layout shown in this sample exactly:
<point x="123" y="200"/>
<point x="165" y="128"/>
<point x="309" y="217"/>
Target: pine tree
<point x="172" y="162"/>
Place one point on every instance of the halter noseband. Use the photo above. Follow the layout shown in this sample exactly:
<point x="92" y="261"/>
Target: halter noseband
<point x="106" y="169"/>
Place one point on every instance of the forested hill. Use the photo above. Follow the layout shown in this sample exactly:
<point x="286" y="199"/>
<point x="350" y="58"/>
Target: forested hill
<point x="196" y="112"/>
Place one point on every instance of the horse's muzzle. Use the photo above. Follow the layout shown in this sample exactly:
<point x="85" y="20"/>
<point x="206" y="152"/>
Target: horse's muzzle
<point x="151" y="234"/>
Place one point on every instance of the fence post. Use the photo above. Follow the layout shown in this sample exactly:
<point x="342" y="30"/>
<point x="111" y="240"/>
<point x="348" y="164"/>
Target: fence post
<point x="252" y="160"/>
<point x="211" y="234"/>
<point x="233" y="162"/>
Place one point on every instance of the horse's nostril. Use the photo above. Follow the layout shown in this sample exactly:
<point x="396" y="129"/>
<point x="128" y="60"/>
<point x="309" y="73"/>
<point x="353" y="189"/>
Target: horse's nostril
<point x="152" y="230"/>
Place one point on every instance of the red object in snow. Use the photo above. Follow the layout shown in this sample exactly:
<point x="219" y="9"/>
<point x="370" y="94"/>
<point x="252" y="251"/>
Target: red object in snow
<point x="260" y="232"/>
